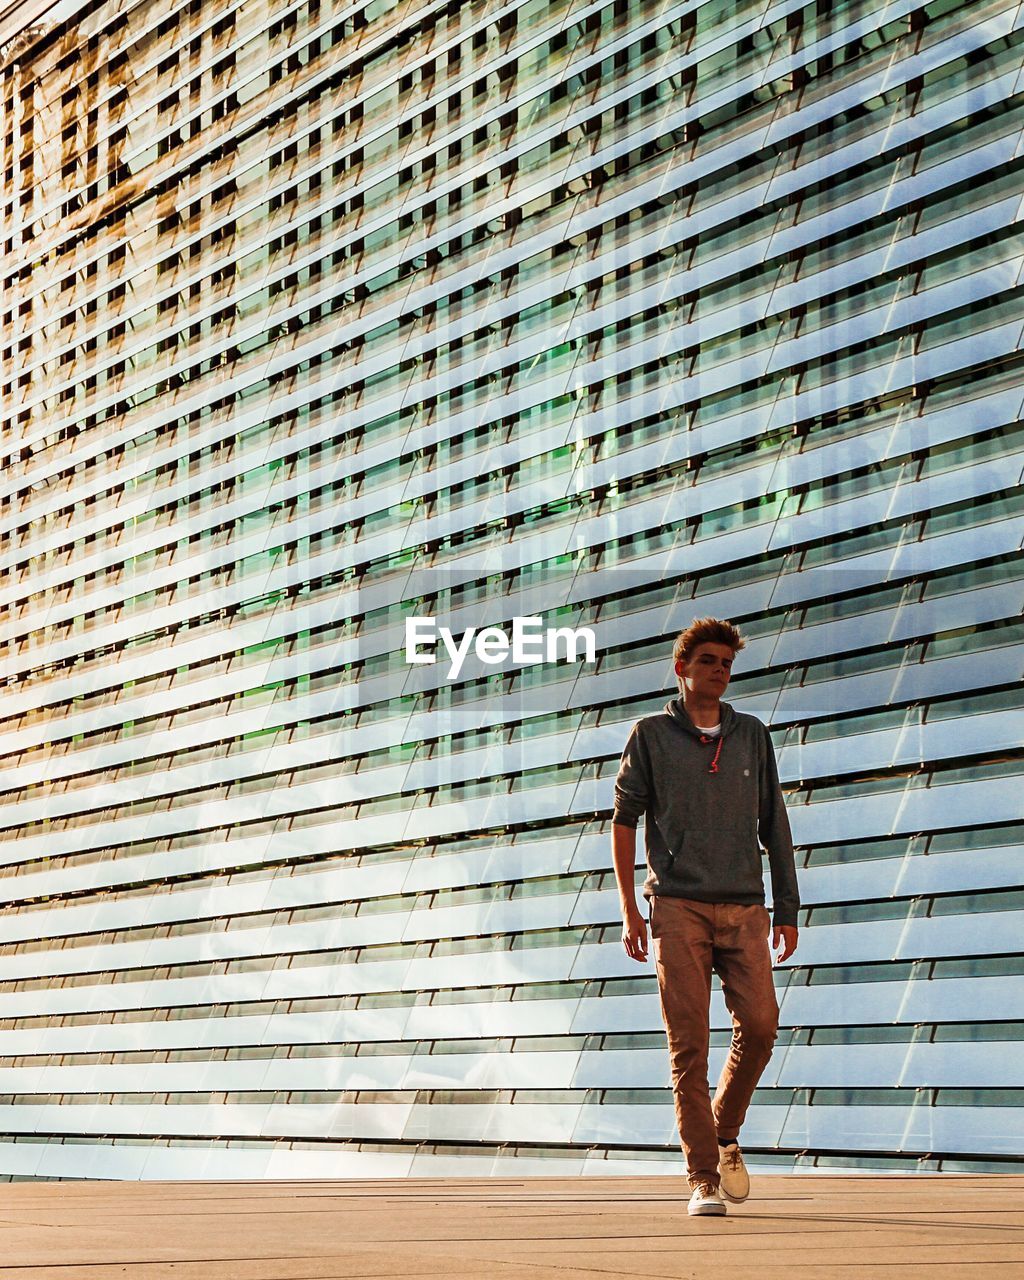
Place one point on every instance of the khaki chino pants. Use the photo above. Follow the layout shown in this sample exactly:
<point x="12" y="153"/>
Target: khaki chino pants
<point x="690" y="939"/>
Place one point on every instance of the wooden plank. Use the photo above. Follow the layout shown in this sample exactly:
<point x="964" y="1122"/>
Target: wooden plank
<point x="854" y="1227"/>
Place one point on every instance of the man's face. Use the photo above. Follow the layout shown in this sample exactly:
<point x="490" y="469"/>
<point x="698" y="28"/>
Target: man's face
<point x="707" y="673"/>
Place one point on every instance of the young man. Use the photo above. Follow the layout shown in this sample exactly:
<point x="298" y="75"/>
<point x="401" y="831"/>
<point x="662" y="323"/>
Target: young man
<point x="706" y="777"/>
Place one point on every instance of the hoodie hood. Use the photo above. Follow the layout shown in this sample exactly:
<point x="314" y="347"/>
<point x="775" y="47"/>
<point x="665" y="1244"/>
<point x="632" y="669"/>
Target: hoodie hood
<point x="726" y="718"/>
<point x="677" y="710"/>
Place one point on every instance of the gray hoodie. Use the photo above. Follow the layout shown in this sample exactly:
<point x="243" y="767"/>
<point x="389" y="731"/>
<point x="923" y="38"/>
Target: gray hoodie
<point x="710" y="802"/>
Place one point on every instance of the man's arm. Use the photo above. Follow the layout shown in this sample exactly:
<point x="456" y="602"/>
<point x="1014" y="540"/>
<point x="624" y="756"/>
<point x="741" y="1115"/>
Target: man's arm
<point x="775" y="835"/>
<point x="632" y="795"/>
<point x="634" y="928"/>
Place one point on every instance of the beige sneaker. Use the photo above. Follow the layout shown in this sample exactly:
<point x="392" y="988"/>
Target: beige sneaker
<point x="735" y="1185"/>
<point x="705" y="1200"/>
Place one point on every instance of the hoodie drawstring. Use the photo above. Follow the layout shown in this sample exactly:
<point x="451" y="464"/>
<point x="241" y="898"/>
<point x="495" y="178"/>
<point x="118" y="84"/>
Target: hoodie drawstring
<point x="713" y="768"/>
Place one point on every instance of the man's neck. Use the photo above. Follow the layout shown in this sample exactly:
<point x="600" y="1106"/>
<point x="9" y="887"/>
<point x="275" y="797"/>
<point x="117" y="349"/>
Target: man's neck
<point x="704" y="712"/>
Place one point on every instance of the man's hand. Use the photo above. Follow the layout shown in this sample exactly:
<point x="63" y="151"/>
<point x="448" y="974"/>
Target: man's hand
<point x="784" y="936"/>
<point x="634" y="936"/>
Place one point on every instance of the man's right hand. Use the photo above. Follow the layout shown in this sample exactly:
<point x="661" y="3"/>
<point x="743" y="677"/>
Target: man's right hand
<point x="634" y="936"/>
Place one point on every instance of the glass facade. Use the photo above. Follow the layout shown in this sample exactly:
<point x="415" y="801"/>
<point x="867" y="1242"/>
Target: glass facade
<point x="316" y="317"/>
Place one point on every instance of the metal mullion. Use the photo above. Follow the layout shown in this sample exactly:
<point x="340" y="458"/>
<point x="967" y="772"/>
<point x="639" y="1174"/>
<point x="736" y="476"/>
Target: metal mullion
<point x="235" y="338"/>
<point x="310" y="525"/>
<point x="128" y="121"/>
<point x="103" y="95"/>
<point x="177" y="821"/>
<point x="421" y="735"/>
<point x="293" y="443"/>
<point x="209" y="642"/>
<point x="194" y="604"/>
<point x="189" y="901"/>
<point x="325" y="27"/>
<point x="289" y="93"/>
<point x="857" y="319"/>
<point x="288" y="757"/>
<point x="629" y="38"/>
<point x="307" y="213"/>
<point x="191" y="805"/>
<point x="169" y="575"/>
<point x="424" y="731"/>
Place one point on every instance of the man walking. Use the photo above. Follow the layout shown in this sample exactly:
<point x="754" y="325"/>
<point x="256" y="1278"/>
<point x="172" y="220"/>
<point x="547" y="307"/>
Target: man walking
<point x="706" y="777"/>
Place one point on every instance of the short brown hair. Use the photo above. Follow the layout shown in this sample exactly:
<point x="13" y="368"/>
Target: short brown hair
<point x="706" y="631"/>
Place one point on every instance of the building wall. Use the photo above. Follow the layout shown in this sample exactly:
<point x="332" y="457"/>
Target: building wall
<point x="318" y="316"/>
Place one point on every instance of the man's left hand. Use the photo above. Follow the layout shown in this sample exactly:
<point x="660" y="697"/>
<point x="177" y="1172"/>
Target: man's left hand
<point x="784" y="936"/>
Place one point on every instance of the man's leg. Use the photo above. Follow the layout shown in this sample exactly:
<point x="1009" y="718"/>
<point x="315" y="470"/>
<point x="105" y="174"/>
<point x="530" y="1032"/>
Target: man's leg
<point x="682" y="933"/>
<point x="743" y="960"/>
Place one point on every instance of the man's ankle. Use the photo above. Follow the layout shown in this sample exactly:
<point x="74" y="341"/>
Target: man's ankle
<point x="727" y="1142"/>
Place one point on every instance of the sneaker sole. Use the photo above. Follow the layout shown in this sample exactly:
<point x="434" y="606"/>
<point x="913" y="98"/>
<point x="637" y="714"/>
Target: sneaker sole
<point x="710" y="1211"/>
<point x="733" y="1199"/>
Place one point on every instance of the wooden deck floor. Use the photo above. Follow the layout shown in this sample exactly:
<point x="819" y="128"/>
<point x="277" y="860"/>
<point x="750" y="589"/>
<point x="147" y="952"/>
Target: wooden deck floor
<point x="503" y="1229"/>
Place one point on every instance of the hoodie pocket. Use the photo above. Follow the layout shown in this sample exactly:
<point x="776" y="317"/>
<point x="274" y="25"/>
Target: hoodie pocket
<point x="715" y="860"/>
<point x="697" y="854"/>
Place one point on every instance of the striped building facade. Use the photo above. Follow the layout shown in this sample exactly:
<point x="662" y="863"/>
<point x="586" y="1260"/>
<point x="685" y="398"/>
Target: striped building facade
<point x="316" y="317"/>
